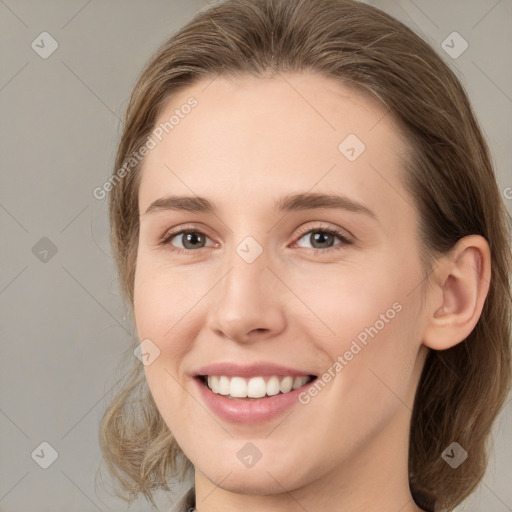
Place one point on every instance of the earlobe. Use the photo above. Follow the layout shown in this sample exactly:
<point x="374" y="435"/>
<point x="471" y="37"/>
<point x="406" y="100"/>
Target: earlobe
<point x="458" y="292"/>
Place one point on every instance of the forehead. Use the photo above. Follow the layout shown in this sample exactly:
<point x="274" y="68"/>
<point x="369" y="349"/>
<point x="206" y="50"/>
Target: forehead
<point x="262" y="136"/>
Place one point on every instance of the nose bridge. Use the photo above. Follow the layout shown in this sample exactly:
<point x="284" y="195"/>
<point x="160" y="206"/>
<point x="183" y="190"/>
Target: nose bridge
<point x="246" y="259"/>
<point x="244" y="301"/>
<point x="247" y="274"/>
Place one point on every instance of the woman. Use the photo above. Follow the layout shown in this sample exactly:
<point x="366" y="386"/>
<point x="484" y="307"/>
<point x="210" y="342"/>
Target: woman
<point x="309" y="232"/>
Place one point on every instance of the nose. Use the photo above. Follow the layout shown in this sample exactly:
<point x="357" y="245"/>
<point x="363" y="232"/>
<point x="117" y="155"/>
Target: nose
<point x="247" y="303"/>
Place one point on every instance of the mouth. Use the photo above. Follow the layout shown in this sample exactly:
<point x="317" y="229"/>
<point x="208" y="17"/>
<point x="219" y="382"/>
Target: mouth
<point x="242" y="388"/>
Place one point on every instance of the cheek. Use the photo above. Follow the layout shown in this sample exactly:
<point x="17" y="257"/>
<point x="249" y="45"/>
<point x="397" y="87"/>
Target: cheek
<point x="163" y="298"/>
<point x="366" y="385"/>
<point x="369" y="332"/>
<point x="160" y="316"/>
<point x="348" y="304"/>
<point x="161" y="310"/>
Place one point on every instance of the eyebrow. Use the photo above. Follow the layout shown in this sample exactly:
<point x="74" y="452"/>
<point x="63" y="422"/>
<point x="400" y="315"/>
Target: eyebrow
<point x="288" y="203"/>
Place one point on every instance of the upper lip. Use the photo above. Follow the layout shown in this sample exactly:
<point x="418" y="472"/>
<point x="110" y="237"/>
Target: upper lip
<point x="252" y="370"/>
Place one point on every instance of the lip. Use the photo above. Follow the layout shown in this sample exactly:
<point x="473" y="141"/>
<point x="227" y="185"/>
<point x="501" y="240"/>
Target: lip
<point x="262" y="369"/>
<point x="248" y="411"/>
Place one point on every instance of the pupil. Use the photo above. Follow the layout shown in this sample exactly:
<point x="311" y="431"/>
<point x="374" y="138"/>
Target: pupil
<point x="191" y="237"/>
<point x="318" y="236"/>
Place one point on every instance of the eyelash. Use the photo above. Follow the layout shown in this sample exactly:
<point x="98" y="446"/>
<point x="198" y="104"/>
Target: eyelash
<point x="345" y="241"/>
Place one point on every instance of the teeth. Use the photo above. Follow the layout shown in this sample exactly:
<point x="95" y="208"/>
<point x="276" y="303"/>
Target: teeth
<point x="256" y="387"/>
<point x="223" y="385"/>
<point x="286" y="385"/>
<point x="238" y="387"/>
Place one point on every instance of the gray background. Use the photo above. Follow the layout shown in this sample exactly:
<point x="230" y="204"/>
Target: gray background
<point x="63" y="327"/>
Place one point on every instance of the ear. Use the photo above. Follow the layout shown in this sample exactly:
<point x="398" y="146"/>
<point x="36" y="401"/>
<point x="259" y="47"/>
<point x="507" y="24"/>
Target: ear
<point x="457" y="293"/>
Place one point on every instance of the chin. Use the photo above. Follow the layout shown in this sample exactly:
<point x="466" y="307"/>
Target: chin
<point x="269" y="475"/>
<point x="261" y="482"/>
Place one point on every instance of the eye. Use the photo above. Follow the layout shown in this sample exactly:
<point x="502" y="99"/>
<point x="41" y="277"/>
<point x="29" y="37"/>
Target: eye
<point x="322" y="237"/>
<point x="191" y="239"/>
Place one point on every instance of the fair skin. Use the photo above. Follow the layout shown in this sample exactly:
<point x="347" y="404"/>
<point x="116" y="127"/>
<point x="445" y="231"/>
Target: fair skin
<point x="249" y="142"/>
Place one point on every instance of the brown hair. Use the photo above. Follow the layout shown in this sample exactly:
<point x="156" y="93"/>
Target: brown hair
<point x="449" y="175"/>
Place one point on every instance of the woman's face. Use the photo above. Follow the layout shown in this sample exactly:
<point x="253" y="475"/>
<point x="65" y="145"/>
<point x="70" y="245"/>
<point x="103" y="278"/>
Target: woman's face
<point x="259" y="282"/>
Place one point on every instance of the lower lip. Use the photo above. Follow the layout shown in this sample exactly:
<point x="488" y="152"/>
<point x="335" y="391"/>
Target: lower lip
<point x="238" y="410"/>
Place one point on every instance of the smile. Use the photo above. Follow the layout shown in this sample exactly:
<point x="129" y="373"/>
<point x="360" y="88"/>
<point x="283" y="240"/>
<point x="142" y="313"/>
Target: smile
<point x="254" y="387"/>
<point x="247" y="409"/>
